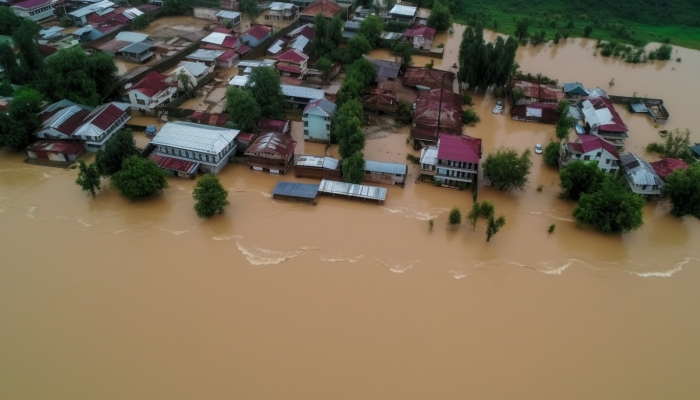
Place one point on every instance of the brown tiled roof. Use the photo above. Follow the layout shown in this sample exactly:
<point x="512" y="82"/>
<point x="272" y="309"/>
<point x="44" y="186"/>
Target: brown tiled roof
<point x="324" y="7"/>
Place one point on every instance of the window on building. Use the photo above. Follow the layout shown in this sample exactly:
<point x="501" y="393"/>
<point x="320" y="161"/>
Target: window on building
<point x="607" y="161"/>
<point x="328" y="127"/>
<point x="306" y="124"/>
<point x="306" y="132"/>
<point x="598" y="154"/>
<point x="139" y="101"/>
<point x="586" y="158"/>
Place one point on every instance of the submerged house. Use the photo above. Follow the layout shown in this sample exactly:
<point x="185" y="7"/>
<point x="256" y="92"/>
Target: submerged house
<point x="405" y="14"/>
<point x="421" y="37"/>
<point x="317" y="120"/>
<point x="428" y="78"/>
<point x="56" y="150"/>
<point x="453" y="162"/>
<point x="153" y="90"/>
<point x="324" y="7"/>
<point x="535" y="112"/>
<point x="316" y="167"/>
<point x="535" y="93"/>
<point x="574" y="90"/>
<point x="271" y="151"/>
<point x="386" y="70"/>
<point x="438" y="112"/>
<point x="591" y="148"/>
<point x="292" y="63"/>
<point x="640" y="176"/>
<point x="385" y="172"/>
<point x="603" y="120"/>
<point x="138" y="52"/>
<point x="209" y="147"/>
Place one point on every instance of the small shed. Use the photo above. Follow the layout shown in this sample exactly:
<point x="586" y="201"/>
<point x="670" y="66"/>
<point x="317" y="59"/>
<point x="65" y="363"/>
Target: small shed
<point x="386" y="173"/>
<point x="316" y="167"/>
<point x="175" y="166"/>
<point x="300" y="192"/>
<point x="275" y="125"/>
<point x="352" y="190"/>
<point x="271" y="151"/>
<point x="56" y="150"/>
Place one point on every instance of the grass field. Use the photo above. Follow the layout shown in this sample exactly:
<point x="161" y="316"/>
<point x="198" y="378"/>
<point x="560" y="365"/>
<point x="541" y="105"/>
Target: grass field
<point x="635" y="22"/>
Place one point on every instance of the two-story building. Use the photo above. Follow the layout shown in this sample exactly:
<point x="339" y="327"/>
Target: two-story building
<point x="208" y="146"/>
<point x="225" y="17"/>
<point x="420" y="36"/>
<point x="405" y="14"/>
<point x="282" y="11"/>
<point x="317" y="120"/>
<point x="591" y="148"/>
<point x="292" y="63"/>
<point x="153" y="90"/>
<point x="453" y="162"/>
<point x="324" y="7"/>
<point x="271" y="151"/>
<point x="640" y="176"/>
<point x="603" y="120"/>
<point x="36" y="10"/>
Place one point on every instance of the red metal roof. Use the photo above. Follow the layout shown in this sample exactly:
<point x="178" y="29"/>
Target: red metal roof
<point x="231" y="42"/>
<point x="174" y="164"/>
<point x="209" y="118"/>
<point x="29" y="4"/>
<point x="113" y="46"/>
<point x="257" y="31"/>
<point x="274" y="125"/>
<point x="245" y="136"/>
<point x="307" y="32"/>
<point x="289" y="68"/>
<point x="293" y="56"/>
<point x="429" y="77"/>
<point x="324" y="7"/>
<point x="58" y="146"/>
<point x="459" y="148"/>
<point x="665" y="166"/>
<point x="539" y="92"/>
<point x="70" y="124"/>
<point x="617" y="124"/>
<point x="242" y="49"/>
<point x="107" y="116"/>
<point x="438" y="109"/>
<point x="110" y="26"/>
<point x="221" y="29"/>
<point x="227" y="56"/>
<point x="46" y="50"/>
<point x="152" y="83"/>
<point x="420" y="30"/>
<point x="588" y="143"/>
<point x="272" y="145"/>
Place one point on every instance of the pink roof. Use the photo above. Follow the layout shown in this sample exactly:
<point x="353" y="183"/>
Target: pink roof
<point x="58" y="146"/>
<point x="665" y="166"/>
<point x="288" y="68"/>
<point x="257" y="31"/>
<point x="307" y="32"/>
<point x="151" y="84"/>
<point x="459" y="148"/>
<point x="424" y="31"/>
<point x="274" y="125"/>
<point x="230" y="41"/>
<point x="107" y="116"/>
<point x="29" y="4"/>
<point x="242" y="49"/>
<point x="293" y="56"/>
<point x="70" y="124"/>
<point x="227" y="56"/>
<point x="617" y="124"/>
<point x="588" y="143"/>
<point x="245" y="136"/>
<point x="174" y="164"/>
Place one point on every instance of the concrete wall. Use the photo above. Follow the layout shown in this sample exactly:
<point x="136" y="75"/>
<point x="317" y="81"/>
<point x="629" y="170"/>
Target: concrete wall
<point x="316" y="128"/>
<point x="205" y="13"/>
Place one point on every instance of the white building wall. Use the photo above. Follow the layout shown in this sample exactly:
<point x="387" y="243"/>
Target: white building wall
<point x="37" y="14"/>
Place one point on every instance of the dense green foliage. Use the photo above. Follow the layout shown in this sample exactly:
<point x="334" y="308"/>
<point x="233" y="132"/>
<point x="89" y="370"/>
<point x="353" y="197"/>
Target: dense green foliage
<point x="395" y="26"/>
<point x="354" y="168"/>
<point x="243" y="110"/>
<point x="612" y="208"/>
<point x="683" y="187"/>
<point x="18" y="124"/>
<point x="210" y="196"/>
<point x="371" y="28"/>
<point x="140" y="22"/>
<point x="404" y="51"/>
<point x="9" y="21"/>
<point x="482" y="65"/>
<point x="455" y="217"/>
<point x="88" y="178"/>
<point x="633" y="21"/>
<point x="564" y="126"/>
<point x="358" y="46"/>
<point x="73" y="75"/>
<point x="119" y="147"/>
<point x="469" y="117"/>
<point x="266" y="87"/>
<point x="493" y="226"/>
<point x="508" y="170"/>
<point x="485" y="209"/>
<point x="324" y="65"/>
<point x="675" y="146"/>
<point x="404" y="112"/>
<point x="440" y="17"/>
<point x="177" y="7"/>
<point x="327" y="37"/>
<point x="251" y="8"/>
<point x="579" y="178"/>
<point x="6" y="89"/>
<point x="139" y="178"/>
<point x="551" y="154"/>
<point x="662" y="53"/>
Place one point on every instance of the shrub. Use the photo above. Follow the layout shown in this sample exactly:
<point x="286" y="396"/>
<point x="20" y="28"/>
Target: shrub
<point x="469" y="117"/>
<point x="455" y="217"/>
<point x="551" y="228"/>
<point x="551" y="154"/>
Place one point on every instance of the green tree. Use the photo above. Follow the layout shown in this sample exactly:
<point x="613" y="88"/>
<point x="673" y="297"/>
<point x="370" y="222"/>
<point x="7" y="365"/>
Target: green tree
<point x="177" y="7"/>
<point x="493" y="226"/>
<point x="485" y="210"/>
<point x="6" y="89"/>
<point x="139" y="178"/>
<point x="17" y="126"/>
<point x="612" y="208"/>
<point x="25" y="40"/>
<point x="364" y="69"/>
<point x="351" y="89"/>
<point x="322" y="45"/>
<point x="118" y="148"/>
<point x="357" y="47"/>
<point x="662" y="53"/>
<point x="683" y="188"/>
<point x="455" y="217"/>
<point x="210" y="196"/>
<point x="578" y="178"/>
<point x="251" y="8"/>
<point x="564" y="126"/>
<point x="404" y="112"/>
<point x="324" y="65"/>
<point x="242" y="109"/>
<point x="474" y="214"/>
<point x="335" y="30"/>
<point x="73" y="75"/>
<point x="184" y="80"/>
<point x="351" y="143"/>
<point x="483" y="65"/>
<point x="469" y="117"/>
<point x="507" y="170"/>
<point x="521" y="28"/>
<point x="9" y="21"/>
<point x="354" y="168"/>
<point x="140" y="22"/>
<point x="676" y="145"/>
<point x="551" y="154"/>
<point x="88" y="178"/>
<point x="563" y="107"/>
<point x="266" y="87"/>
<point x="404" y="50"/>
<point x="8" y="62"/>
<point x="371" y="28"/>
<point x="440" y="17"/>
<point x="587" y="31"/>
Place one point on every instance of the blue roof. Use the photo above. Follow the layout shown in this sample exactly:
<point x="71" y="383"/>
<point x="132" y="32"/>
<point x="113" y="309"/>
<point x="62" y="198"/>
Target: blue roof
<point x="695" y="149"/>
<point x="575" y="88"/>
<point x="293" y="189"/>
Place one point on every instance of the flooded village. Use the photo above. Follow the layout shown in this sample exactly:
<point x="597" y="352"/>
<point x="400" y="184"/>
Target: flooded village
<point x="370" y="292"/>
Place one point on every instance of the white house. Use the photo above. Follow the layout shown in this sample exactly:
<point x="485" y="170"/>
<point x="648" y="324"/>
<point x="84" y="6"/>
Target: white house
<point x="101" y="124"/>
<point x="317" y="120"/>
<point x="36" y="10"/>
<point x="640" y="176"/>
<point x="194" y="70"/>
<point x="421" y="37"/>
<point x="591" y="148"/>
<point x="153" y="90"/>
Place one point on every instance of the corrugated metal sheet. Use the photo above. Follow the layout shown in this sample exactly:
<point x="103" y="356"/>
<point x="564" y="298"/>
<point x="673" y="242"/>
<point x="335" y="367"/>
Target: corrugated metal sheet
<point x="428" y="155"/>
<point x="293" y="189"/>
<point x="299" y="43"/>
<point x="58" y="146"/>
<point x="138" y="47"/>
<point x="92" y="8"/>
<point x="215" y="38"/>
<point x="403" y="10"/>
<point x="205" y="55"/>
<point x="352" y="190"/>
<point x="277" y="46"/>
<point x="175" y="164"/>
<point x="385" y="167"/>
<point x="228" y="14"/>
<point x="194" y="68"/>
<point x="459" y="148"/>
<point x="317" y="162"/>
<point x="302" y="92"/>
<point x="195" y="137"/>
<point x="274" y="144"/>
<point x="638" y="170"/>
<point x="665" y="166"/>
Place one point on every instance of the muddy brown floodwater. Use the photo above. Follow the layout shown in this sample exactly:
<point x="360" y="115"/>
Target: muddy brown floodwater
<point x="106" y="299"/>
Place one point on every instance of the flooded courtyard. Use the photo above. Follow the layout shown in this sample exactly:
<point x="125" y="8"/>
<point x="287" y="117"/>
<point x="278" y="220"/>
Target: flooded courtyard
<point x="103" y="298"/>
